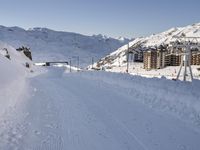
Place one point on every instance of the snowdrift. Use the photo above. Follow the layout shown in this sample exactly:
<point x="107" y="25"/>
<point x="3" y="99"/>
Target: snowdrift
<point x="181" y="99"/>
<point x="12" y="76"/>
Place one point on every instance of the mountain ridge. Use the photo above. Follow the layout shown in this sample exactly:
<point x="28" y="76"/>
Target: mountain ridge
<point x="47" y="44"/>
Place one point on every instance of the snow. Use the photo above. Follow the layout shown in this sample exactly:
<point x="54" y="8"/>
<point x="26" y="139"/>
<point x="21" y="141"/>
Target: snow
<point x="169" y="72"/>
<point x="13" y="72"/>
<point x="49" y="45"/>
<point x="61" y="65"/>
<point x="11" y="68"/>
<point x="101" y="110"/>
<point x="123" y="39"/>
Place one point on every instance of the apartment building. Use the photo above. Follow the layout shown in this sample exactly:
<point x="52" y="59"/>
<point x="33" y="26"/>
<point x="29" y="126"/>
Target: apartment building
<point x="173" y="60"/>
<point x="195" y="58"/>
<point x="154" y="59"/>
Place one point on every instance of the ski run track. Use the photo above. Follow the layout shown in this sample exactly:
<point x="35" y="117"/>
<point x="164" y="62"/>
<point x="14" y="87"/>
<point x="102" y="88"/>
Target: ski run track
<point x="99" y="111"/>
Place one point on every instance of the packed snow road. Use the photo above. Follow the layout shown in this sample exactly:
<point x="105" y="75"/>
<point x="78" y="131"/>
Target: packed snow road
<point x="91" y="111"/>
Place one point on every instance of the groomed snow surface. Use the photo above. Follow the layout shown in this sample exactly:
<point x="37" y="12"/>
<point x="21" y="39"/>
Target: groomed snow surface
<point x="58" y="110"/>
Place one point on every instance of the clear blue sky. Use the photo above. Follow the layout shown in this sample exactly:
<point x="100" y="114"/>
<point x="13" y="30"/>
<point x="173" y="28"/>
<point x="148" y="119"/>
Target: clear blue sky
<point x="129" y="18"/>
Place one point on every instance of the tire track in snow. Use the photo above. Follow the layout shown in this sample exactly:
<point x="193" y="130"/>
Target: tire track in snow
<point x="109" y="117"/>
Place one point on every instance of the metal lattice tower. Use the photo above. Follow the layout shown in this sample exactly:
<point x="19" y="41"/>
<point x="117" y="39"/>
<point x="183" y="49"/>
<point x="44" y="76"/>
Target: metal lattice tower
<point x="184" y="45"/>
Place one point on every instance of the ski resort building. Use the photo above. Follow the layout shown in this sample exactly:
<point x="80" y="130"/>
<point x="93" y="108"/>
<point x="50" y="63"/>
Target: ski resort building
<point x="138" y="57"/>
<point x="154" y="59"/>
<point x="150" y="59"/>
<point x="158" y="59"/>
<point x="172" y="60"/>
<point x="195" y="58"/>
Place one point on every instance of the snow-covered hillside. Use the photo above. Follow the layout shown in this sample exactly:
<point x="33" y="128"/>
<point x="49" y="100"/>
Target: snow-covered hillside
<point x="51" y="45"/>
<point x="118" y="57"/>
<point x="12" y="76"/>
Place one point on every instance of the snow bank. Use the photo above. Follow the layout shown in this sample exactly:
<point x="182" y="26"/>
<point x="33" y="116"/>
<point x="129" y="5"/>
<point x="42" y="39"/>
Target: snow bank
<point x="181" y="99"/>
<point x="12" y="77"/>
<point x="170" y="72"/>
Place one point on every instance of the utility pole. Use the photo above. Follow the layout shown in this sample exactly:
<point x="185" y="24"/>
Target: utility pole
<point x="185" y="60"/>
<point x="127" y="57"/>
<point x="92" y="62"/>
<point x="77" y="63"/>
<point x="70" y="65"/>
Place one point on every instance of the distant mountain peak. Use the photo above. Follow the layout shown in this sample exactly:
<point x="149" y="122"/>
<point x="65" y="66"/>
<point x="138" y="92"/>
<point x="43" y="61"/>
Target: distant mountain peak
<point x="123" y="39"/>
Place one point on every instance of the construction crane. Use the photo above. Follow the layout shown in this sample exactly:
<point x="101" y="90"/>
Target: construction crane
<point x="184" y="45"/>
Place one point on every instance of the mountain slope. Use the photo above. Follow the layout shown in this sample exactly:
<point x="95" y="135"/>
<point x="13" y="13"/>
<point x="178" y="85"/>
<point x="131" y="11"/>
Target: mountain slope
<point x="47" y="44"/>
<point x="119" y="56"/>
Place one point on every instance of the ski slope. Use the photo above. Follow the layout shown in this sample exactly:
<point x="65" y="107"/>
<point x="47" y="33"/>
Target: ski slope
<point x="102" y="111"/>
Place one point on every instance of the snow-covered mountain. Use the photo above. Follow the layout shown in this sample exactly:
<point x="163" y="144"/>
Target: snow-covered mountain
<point x="123" y="39"/>
<point x="164" y="38"/>
<point x="47" y="44"/>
